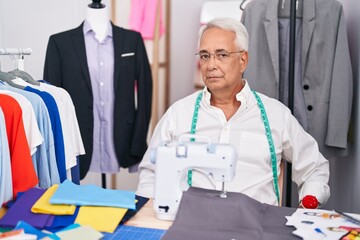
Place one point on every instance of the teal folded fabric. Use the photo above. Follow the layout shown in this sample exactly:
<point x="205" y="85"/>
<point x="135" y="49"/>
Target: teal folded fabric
<point x="31" y="230"/>
<point x="92" y="195"/>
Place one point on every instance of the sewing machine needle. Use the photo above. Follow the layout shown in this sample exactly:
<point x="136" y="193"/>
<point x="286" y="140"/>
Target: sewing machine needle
<point x="223" y="192"/>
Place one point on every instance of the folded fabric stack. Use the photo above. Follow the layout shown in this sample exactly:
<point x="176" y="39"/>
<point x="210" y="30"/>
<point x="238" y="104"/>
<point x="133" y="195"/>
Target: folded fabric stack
<point x="69" y="208"/>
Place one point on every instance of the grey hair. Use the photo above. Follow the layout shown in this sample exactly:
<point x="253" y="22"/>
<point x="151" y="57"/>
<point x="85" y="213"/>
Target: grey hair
<point x="228" y="24"/>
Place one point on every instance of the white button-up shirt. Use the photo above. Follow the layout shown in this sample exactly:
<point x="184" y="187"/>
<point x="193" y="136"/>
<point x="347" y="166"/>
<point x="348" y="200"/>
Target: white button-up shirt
<point x="246" y="132"/>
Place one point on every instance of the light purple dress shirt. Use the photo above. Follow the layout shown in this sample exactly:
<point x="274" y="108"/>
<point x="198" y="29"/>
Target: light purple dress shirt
<point x="100" y="59"/>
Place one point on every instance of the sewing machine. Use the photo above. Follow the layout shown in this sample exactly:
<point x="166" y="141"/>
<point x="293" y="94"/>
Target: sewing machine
<point x="174" y="159"/>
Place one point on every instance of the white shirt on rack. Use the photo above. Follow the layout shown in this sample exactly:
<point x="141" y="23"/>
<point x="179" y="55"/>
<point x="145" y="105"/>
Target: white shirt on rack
<point x="71" y="132"/>
<point x="246" y="132"/>
<point x="31" y="127"/>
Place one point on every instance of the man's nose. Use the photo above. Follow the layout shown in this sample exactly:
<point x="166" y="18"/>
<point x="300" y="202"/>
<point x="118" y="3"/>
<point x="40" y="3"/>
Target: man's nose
<point x="212" y="63"/>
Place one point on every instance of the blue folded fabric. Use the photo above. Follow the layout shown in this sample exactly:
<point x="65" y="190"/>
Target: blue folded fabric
<point x="92" y="195"/>
<point x="72" y="226"/>
<point x="31" y="230"/>
<point x="61" y="221"/>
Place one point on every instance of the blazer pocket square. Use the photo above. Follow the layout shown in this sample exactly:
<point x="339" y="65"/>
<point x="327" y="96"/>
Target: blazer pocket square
<point x="128" y="54"/>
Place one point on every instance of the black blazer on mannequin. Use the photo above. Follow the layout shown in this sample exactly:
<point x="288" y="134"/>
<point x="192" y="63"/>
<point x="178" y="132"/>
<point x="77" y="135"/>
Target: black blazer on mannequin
<point x="66" y="66"/>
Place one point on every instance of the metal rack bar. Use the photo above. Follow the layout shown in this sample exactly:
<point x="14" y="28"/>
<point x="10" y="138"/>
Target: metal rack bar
<point x="15" y="51"/>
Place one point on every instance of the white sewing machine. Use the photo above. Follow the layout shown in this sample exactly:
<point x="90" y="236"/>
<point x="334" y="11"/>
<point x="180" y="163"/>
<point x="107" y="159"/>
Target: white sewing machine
<point x="173" y="160"/>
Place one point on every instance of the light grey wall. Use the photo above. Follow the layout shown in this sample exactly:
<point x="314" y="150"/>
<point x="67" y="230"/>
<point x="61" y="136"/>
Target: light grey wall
<point x="345" y="172"/>
<point x="30" y="23"/>
<point x="185" y="23"/>
<point x="1" y="26"/>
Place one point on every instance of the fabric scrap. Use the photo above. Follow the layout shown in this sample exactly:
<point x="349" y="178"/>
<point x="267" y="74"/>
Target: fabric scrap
<point x="81" y="232"/>
<point x="103" y="219"/>
<point x="31" y="230"/>
<point x="21" y="211"/>
<point x="92" y="195"/>
<point x="43" y="204"/>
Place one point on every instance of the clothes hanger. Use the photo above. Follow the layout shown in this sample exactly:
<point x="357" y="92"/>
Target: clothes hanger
<point x="284" y="8"/>
<point x="18" y="72"/>
<point x="241" y="5"/>
<point x="7" y="78"/>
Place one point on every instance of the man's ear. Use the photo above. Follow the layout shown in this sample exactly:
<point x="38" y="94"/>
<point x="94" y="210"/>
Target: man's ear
<point x="244" y="60"/>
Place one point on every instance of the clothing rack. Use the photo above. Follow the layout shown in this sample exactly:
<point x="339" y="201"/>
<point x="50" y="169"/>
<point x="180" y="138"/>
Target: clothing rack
<point x="15" y="51"/>
<point x="291" y="90"/>
<point x="18" y="52"/>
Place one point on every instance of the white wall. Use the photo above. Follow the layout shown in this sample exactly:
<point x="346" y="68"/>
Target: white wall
<point x="185" y="23"/>
<point x="30" y="23"/>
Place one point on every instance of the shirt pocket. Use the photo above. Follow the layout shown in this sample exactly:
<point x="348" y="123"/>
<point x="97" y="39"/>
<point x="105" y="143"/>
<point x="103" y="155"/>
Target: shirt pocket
<point x="254" y="151"/>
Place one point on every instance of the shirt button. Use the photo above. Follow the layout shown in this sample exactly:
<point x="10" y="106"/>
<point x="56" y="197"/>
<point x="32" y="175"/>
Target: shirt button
<point x="101" y="63"/>
<point x="101" y="84"/>
<point x="101" y="103"/>
<point x="306" y="87"/>
<point x="309" y="108"/>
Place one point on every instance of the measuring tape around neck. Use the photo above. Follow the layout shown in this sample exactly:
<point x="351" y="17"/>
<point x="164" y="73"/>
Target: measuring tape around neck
<point x="267" y="132"/>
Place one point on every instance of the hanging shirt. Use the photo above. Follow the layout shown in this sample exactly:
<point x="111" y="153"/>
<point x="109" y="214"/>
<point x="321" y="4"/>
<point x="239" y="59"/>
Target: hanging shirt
<point x="56" y="128"/>
<point x="72" y="138"/>
<point x="22" y="169"/>
<point x="100" y="58"/>
<point x="73" y="145"/>
<point x="245" y="131"/>
<point x="5" y="164"/>
<point x="44" y="159"/>
<point x="32" y="132"/>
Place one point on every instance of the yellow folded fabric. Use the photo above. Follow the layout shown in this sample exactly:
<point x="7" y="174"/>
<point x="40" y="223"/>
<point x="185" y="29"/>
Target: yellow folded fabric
<point x="43" y="205"/>
<point x="103" y="219"/>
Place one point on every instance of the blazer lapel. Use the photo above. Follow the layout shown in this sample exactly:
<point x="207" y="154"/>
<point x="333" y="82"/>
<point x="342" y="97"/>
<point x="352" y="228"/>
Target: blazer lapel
<point x="308" y="29"/>
<point x="271" y="29"/>
<point x="79" y="46"/>
<point x="118" y="43"/>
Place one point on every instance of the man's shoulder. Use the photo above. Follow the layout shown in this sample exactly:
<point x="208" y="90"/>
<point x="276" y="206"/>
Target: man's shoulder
<point x="188" y="99"/>
<point x="184" y="104"/>
<point x="273" y="103"/>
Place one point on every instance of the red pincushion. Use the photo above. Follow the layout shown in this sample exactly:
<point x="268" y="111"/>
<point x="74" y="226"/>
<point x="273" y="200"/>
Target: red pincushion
<point x="310" y="201"/>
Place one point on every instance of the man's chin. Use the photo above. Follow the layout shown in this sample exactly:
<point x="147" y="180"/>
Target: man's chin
<point x="213" y="86"/>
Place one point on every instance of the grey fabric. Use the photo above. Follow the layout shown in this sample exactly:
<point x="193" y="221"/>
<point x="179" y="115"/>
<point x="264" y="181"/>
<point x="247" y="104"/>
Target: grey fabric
<point x="204" y="215"/>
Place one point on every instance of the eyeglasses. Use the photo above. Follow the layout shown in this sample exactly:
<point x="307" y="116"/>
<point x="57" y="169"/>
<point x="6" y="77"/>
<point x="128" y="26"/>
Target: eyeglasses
<point x="220" y="55"/>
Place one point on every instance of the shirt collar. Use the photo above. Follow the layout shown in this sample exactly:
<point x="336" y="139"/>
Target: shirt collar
<point x="87" y="28"/>
<point x="242" y="96"/>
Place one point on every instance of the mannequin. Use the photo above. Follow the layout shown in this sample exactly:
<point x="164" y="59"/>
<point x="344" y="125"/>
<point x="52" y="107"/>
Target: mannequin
<point x="97" y="15"/>
<point x="99" y="64"/>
